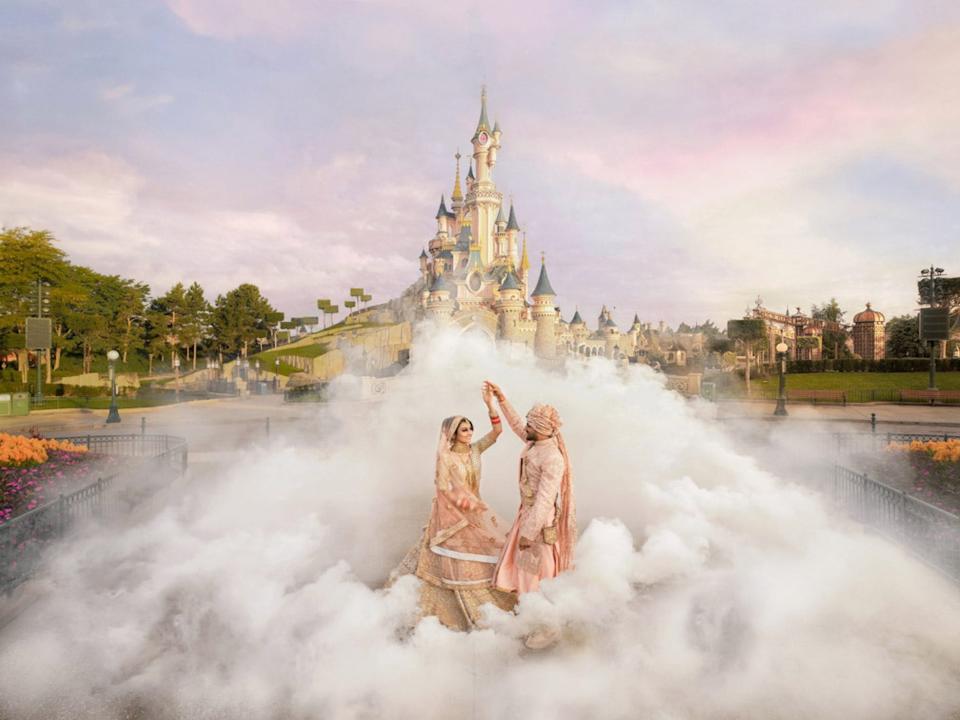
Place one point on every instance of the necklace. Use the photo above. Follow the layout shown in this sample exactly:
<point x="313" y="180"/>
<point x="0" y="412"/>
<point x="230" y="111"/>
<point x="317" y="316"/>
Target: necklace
<point x="461" y="448"/>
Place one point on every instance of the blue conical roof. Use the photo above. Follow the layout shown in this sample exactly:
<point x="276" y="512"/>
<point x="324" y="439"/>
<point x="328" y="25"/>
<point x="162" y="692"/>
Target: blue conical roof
<point x="442" y="210"/>
<point x="576" y="318"/>
<point x="470" y="175"/>
<point x="543" y="284"/>
<point x="500" y="217"/>
<point x="423" y="254"/>
<point x="512" y="223"/>
<point x="482" y="123"/>
<point x="510" y="282"/>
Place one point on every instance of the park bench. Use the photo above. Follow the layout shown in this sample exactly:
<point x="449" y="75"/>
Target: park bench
<point x="932" y="396"/>
<point x="818" y="395"/>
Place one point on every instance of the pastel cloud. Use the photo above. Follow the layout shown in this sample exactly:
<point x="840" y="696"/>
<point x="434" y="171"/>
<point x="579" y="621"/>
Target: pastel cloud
<point x="675" y="160"/>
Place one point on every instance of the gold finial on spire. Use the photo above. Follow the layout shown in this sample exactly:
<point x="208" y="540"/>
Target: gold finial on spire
<point x="524" y="260"/>
<point x="457" y="194"/>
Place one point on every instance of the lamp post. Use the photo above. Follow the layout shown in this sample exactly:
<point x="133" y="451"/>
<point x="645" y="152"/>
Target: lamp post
<point x="256" y="370"/>
<point x="114" y="415"/>
<point x="782" y="392"/>
<point x="176" y="376"/>
<point x="276" y="375"/>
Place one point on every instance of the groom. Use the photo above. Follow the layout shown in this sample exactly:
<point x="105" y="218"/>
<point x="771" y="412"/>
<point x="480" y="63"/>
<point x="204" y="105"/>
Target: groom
<point x="540" y="543"/>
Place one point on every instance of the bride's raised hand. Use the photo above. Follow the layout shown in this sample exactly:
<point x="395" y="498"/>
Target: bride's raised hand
<point x="495" y="389"/>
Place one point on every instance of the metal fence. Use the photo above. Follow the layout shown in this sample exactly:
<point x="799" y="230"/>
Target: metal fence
<point x="853" y="443"/>
<point x="931" y="533"/>
<point x="852" y="395"/>
<point x="25" y="538"/>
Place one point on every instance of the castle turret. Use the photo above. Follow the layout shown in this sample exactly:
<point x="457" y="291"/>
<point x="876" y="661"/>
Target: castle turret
<point x="611" y="334"/>
<point x="502" y="243"/>
<point x="443" y="218"/>
<point x="545" y="314"/>
<point x="423" y="262"/>
<point x="482" y="141"/>
<point x="440" y="304"/>
<point x="578" y="327"/>
<point x="509" y="307"/>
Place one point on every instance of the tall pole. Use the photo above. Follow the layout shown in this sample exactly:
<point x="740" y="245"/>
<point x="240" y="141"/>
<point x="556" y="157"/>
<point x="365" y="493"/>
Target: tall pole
<point x="932" y="384"/>
<point x="781" y="408"/>
<point x="114" y="415"/>
<point x="39" y="398"/>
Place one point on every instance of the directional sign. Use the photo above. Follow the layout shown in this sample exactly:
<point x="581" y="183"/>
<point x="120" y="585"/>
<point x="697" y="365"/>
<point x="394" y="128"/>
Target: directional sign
<point x="934" y="324"/>
<point x="39" y="333"/>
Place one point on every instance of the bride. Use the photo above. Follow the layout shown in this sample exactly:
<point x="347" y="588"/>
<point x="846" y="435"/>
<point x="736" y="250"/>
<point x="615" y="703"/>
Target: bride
<point x="463" y="538"/>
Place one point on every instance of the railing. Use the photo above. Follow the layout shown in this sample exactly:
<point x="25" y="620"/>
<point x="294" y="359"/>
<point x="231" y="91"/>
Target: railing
<point x="853" y="395"/>
<point x="25" y="538"/>
<point x="931" y="533"/>
<point x="851" y="443"/>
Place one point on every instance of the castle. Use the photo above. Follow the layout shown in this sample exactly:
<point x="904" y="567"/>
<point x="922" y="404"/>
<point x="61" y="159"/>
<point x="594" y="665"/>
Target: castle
<point x="475" y="272"/>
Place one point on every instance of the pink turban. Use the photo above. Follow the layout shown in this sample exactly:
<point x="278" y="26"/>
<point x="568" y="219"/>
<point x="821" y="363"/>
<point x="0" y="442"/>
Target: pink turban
<point x="544" y="419"/>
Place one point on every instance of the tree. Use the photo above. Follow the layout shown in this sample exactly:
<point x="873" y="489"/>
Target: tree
<point x="834" y="341"/>
<point x="173" y="306"/>
<point x="903" y="337"/>
<point x="25" y="256"/>
<point x="195" y="324"/>
<point x="239" y="318"/>
<point x="752" y="334"/>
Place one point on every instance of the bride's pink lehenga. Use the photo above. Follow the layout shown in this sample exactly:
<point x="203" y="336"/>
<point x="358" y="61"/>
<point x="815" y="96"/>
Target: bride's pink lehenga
<point x="459" y="548"/>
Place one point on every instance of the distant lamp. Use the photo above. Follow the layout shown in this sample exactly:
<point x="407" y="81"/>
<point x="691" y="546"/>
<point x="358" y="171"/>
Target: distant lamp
<point x="113" y="416"/>
<point x="781" y="349"/>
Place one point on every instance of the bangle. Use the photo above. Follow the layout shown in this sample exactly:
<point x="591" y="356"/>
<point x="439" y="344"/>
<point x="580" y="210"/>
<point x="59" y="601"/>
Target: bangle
<point x="495" y="420"/>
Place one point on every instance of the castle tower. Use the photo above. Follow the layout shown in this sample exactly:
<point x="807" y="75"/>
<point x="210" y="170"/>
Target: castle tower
<point x="869" y="334"/>
<point x="483" y="198"/>
<point x="513" y="229"/>
<point x="502" y="244"/>
<point x="578" y="327"/>
<point x="611" y="334"/>
<point x="509" y="307"/>
<point x="545" y="314"/>
<point x="443" y="217"/>
<point x="440" y="304"/>
<point x="424" y="269"/>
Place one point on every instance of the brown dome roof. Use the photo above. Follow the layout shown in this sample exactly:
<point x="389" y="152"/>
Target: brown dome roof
<point x="869" y="315"/>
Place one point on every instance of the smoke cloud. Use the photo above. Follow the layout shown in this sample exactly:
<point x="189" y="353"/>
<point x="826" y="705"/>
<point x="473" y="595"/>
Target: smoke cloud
<point x="705" y="586"/>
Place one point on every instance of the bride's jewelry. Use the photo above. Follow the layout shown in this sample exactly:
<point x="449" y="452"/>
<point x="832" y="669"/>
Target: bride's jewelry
<point x="459" y="447"/>
<point x="495" y="419"/>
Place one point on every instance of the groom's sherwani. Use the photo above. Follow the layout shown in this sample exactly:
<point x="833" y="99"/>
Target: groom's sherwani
<point x="541" y="473"/>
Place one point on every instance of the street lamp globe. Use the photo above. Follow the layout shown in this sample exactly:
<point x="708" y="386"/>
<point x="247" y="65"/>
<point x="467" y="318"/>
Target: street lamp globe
<point x="782" y="347"/>
<point x="113" y="356"/>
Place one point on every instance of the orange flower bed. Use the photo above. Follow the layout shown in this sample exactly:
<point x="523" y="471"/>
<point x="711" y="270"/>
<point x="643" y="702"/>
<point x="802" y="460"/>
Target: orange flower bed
<point x="937" y="450"/>
<point x="18" y="450"/>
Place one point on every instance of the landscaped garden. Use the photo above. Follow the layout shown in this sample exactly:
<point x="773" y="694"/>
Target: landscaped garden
<point x="857" y="385"/>
<point x="34" y="470"/>
<point x="926" y="469"/>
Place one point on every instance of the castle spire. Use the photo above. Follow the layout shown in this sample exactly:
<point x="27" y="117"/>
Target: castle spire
<point x="512" y="223"/>
<point x="457" y="195"/>
<point x="442" y="210"/>
<point x="524" y="260"/>
<point x="483" y="123"/>
<point x="543" y="283"/>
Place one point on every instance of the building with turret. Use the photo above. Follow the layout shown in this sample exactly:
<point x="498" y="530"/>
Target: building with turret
<point x="475" y="269"/>
<point x="475" y="273"/>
